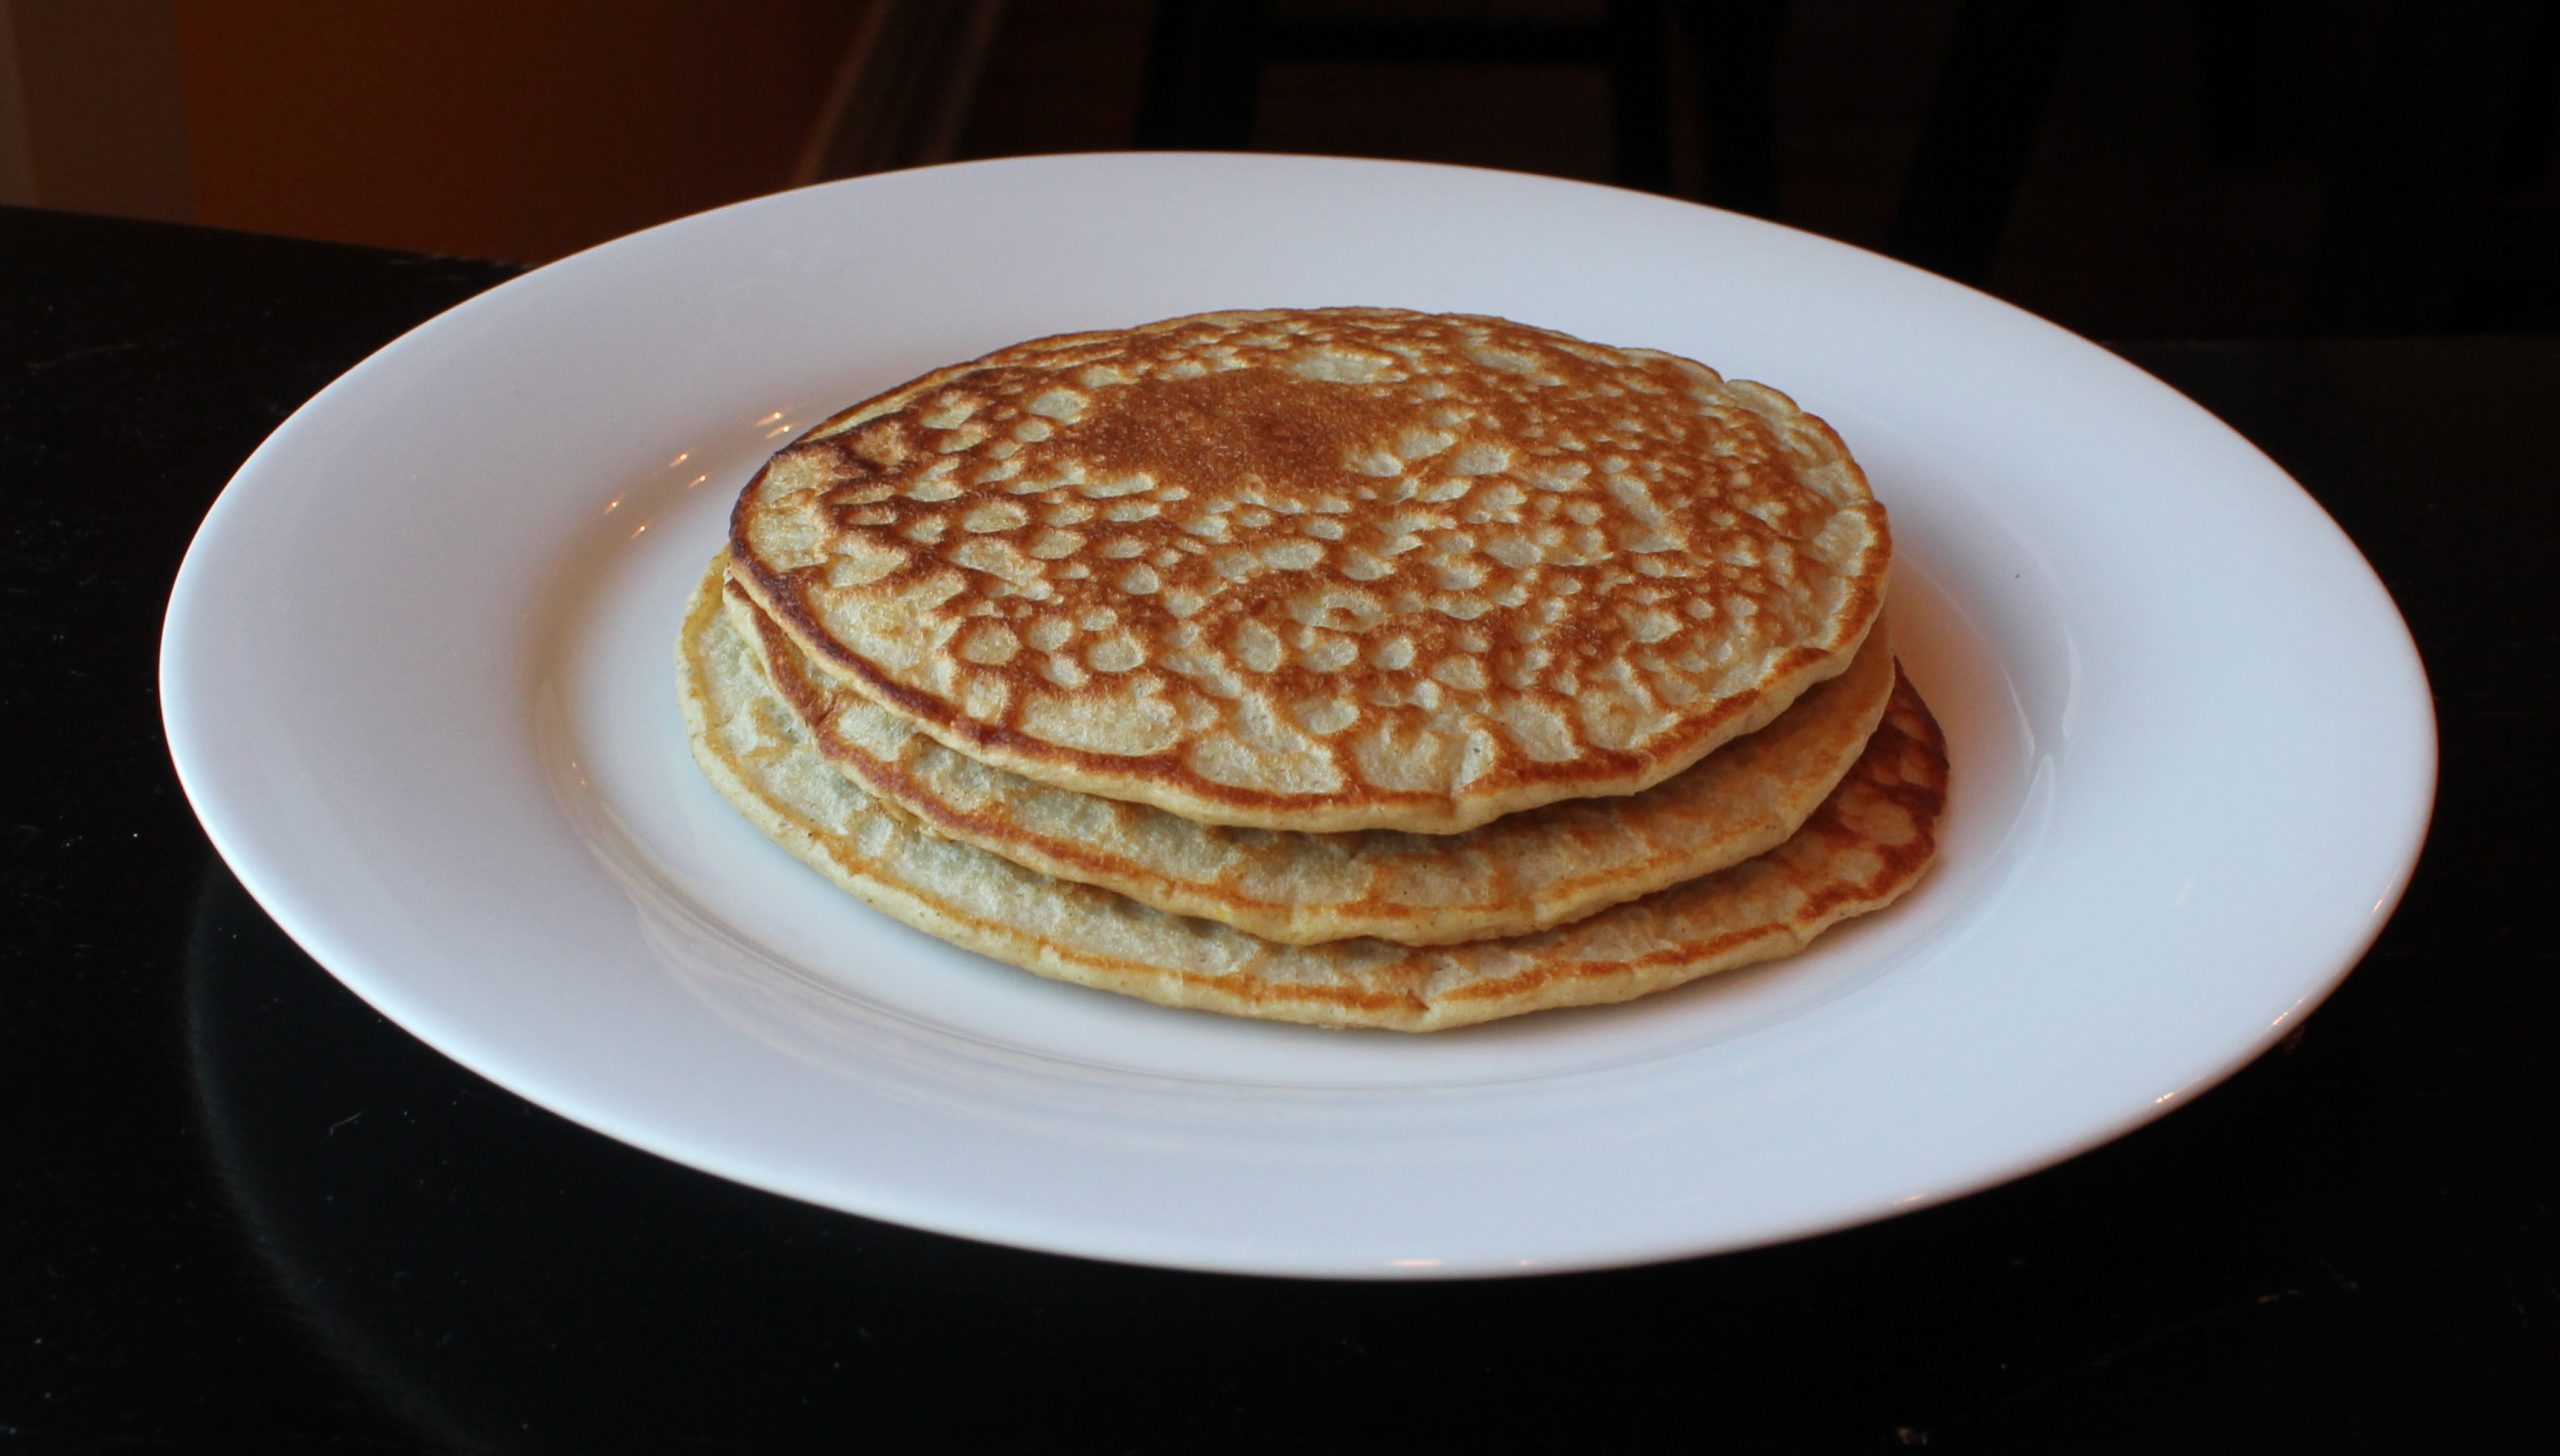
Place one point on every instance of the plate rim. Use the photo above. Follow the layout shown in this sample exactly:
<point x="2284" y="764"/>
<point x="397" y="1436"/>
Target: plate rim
<point x="189" y="755"/>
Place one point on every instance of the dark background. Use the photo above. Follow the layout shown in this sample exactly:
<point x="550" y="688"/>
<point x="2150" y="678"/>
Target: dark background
<point x="2129" y="168"/>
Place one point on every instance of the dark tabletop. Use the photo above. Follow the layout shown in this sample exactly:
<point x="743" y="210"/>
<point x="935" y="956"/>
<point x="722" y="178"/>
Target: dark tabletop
<point x="239" y="1208"/>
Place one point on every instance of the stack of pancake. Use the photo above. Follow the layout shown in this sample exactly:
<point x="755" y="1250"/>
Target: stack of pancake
<point x="1347" y="666"/>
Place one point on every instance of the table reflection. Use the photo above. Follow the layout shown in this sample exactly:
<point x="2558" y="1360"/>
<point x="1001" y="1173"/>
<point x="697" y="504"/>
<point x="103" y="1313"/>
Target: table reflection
<point x="504" y="1279"/>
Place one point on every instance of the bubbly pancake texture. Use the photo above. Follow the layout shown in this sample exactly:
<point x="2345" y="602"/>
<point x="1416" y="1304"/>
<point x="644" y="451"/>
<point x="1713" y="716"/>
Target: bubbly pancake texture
<point x="1323" y="570"/>
<point x="1868" y="842"/>
<point x="1521" y="873"/>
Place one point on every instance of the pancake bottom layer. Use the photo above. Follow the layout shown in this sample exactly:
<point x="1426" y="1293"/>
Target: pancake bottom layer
<point x="1867" y="843"/>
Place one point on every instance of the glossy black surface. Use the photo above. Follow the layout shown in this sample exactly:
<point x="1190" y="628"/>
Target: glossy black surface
<point x="238" y="1208"/>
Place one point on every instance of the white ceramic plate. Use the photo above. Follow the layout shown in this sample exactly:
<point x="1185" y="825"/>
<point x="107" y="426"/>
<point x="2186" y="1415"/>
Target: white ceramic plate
<point x="417" y="679"/>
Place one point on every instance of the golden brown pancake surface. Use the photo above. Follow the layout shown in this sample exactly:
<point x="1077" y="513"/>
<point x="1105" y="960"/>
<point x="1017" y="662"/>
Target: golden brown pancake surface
<point x="1323" y="570"/>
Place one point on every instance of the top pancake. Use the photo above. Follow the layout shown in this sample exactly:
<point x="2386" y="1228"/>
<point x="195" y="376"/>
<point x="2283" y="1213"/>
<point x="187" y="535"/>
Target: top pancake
<point x="1326" y="570"/>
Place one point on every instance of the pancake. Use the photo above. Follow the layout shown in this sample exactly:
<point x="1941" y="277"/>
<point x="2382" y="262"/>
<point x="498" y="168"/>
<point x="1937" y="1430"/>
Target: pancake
<point x="1323" y="570"/>
<point x="1868" y="843"/>
<point x="1520" y="873"/>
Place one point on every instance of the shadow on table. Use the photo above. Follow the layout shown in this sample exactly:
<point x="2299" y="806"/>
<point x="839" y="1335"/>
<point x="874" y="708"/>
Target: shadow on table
<point x="505" y="1279"/>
